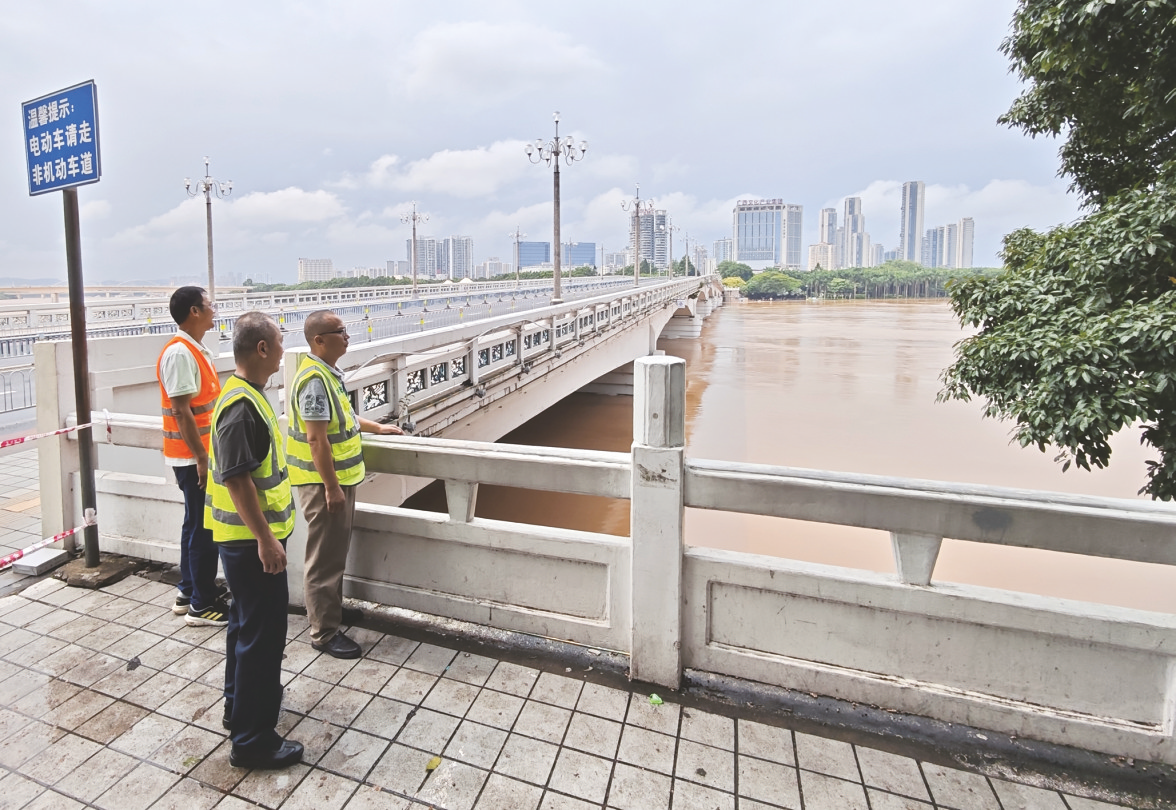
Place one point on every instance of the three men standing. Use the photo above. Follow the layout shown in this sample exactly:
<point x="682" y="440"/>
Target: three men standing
<point x="189" y="387"/>
<point x="326" y="466"/>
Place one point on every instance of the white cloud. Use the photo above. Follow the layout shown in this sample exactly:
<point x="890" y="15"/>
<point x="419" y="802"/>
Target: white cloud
<point x="482" y="62"/>
<point x="94" y="210"/>
<point x="262" y="208"/>
<point x="477" y="172"/>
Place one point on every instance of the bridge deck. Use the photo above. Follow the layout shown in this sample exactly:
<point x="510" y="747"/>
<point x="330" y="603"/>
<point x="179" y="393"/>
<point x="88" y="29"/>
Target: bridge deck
<point x="111" y="701"/>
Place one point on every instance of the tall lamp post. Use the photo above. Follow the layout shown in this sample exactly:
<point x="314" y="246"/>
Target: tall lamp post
<point x="414" y="218"/>
<point x="550" y="153"/>
<point x="208" y="186"/>
<point x="517" y="236"/>
<point x="686" y="261"/>
<point x="669" y="229"/>
<point x="639" y="207"/>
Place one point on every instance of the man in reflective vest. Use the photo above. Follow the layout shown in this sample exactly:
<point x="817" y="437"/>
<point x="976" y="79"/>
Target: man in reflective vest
<point x="250" y="510"/>
<point x="326" y="466"/>
<point x="188" y="388"/>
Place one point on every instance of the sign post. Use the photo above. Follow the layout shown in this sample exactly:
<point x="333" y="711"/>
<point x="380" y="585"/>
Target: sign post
<point x="61" y="153"/>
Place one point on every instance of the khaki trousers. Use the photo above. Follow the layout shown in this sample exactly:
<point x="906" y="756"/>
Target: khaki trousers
<point x="328" y="537"/>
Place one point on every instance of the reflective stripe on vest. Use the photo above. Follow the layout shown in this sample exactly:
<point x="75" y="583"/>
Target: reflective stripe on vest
<point x="203" y="402"/>
<point x="342" y="430"/>
<point x="271" y="479"/>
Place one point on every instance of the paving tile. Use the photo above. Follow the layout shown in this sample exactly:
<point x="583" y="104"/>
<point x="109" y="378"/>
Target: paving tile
<point x="195" y="663"/>
<point x="14" y="640"/>
<point x="187" y="750"/>
<point x="470" y="668"/>
<point x="27" y="613"/>
<point x="769" y="782"/>
<point x="165" y="653"/>
<point x="156" y="691"/>
<point x="77" y="710"/>
<point x="401" y="769"/>
<point x="302" y="694"/>
<point x="689" y="796"/>
<point x="708" y="766"/>
<point x="46" y="698"/>
<point x="105" y="635"/>
<point x="663" y="718"/>
<point x="594" y="735"/>
<point x="496" y="709"/>
<point x="90" y="779"/>
<point x="430" y="658"/>
<point x="368" y="676"/>
<point x="1079" y="803"/>
<point x="428" y="730"/>
<point x="320" y="791"/>
<point x="138" y="789"/>
<point x="51" y="620"/>
<point x="327" y="668"/>
<point x="296" y="626"/>
<point x="340" y="705"/>
<point x="112" y="722"/>
<point x="216" y="771"/>
<point x="647" y="749"/>
<point x="828" y="793"/>
<point x="581" y="775"/>
<point x="392" y="650"/>
<point x="33" y="650"/>
<point x="233" y="803"/>
<point x="16" y="791"/>
<point x="454" y="786"/>
<point x="29" y="745"/>
<point x="78" y="627"/>
<point x="370" y="797"/>
<point x="382" y="717"/>
<point x="194" y="702"/>
<point x="527" y="759"/>
<point x="188" y="794"/>
<point x="711" y="729"/>
<point x="543" y="721"/>
<point x="451" y="697"/>
<point x="124" y="586"/>
<point x="603" y="701"/>
<point x="557" y="690"/>
<point x="637" y="789"/>
<point x="892" y="773"/>
<point x="354" y="754"/>
<point x="270" y="788"/>
<point x="15" y="687"/>
<point x="880" y="800"/>
<point x="316" y="737"/>
<point x="144" y="737"/>
<point x="512" y="679"/>
<point x="409" y="686"/>
<point x="11" y="722"/>
<point x="297" y="656"/>
<point x="133" y="644"/>
<point x="1024" y="797"/>
<point x="52" y="800"/>
<point x="122" y="681"/>
<point x="503" y="793"/>
<point x="476" y="744"/>
<point x="959" y="790"/>
<point x="830" y="757"/>
<point x="557" y="801"/>
<point x="144" y="615"/>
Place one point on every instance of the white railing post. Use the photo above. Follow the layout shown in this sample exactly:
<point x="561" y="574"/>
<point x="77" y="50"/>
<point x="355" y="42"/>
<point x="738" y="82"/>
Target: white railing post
<point x="915" y="556"/>
<point x="57" y="457"/>
<point x="657" y="519"/>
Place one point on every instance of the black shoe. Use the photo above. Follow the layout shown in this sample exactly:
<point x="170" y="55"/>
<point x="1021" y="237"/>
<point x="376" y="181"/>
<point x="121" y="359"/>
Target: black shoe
<point x="216" y="615"/>
<point x="227" y="719"/>
<point x="340" y="647"/>
<point x="352" y="615"/>
<point x="287" y="754"/>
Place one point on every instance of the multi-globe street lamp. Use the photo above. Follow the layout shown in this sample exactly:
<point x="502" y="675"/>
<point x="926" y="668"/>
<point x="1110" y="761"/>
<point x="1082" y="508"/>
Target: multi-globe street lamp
<point x="208" y="186"/>
<point x="669" y="230"/>
<point x="550" y="153"/>
<point x="517" y="236"/>
<point x="639" y="207"/>
<point x="414" y="218"/>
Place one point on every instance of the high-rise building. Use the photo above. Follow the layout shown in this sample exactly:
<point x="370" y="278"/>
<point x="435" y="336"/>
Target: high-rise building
<point x="724" y="251"/>
<point x="855" y="242"/>
<point x="457" y="258"/>
<point x="578" y="254"/>
<point x="828" y="227"/>
<point x="534" y="254"/>
<point x="315" y="270"/>
<point x="655" y="239"/>
<point x="967" y="232"/>
<point x="700" y="260"/>
<point x="492" y="267"/>
<point x="768" y="233"/>
<point x="822" y="255"/>
<point x="615" y="261"/>
<point x="398" y="267"/>
<point x="427" y="258"/>
<point x="911" y="226"/>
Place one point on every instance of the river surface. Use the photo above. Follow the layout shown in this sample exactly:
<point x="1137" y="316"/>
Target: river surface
<point x="846" y="386"/>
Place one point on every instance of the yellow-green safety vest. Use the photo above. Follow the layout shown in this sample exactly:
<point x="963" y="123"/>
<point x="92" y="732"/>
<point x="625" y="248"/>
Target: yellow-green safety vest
<point x="271" y="479"/>
<point x="342" y="430"/>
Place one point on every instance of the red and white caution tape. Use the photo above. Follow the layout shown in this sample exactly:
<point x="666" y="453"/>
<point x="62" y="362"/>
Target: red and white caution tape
<point x="91" y="520"/>
<point x="35" y="436"/>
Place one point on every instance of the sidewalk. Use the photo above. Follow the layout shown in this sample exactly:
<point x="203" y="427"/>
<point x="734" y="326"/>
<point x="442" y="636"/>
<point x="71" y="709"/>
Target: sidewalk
<point x="111" y="701"/>
<point x="20" y="510"/>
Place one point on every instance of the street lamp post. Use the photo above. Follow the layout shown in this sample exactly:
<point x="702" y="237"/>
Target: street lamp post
<point x="669" y="229"/>
<point x="208" y="186"/>
<point x="518" y="235"/>
<point x="550" y="153"/>
<point x="686" y="261"/>
<point x="638" y="207"/>
<point x="414" y="218"/>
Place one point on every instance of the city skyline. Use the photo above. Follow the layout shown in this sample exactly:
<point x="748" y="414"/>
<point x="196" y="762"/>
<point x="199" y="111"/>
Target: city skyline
<point x="331" y="121"/>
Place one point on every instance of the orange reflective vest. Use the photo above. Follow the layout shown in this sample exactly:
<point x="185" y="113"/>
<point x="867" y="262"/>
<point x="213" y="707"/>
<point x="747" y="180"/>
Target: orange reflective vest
<point x="203" y="403"/>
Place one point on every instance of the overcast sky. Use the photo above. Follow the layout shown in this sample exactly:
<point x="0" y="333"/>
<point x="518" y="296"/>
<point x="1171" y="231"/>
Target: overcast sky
<point x="330" y="117"/>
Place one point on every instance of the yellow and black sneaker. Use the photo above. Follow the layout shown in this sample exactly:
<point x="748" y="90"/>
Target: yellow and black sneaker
<point x="215" y="616"/>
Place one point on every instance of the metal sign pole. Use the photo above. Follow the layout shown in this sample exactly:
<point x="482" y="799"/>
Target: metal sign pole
<point x="81" y="364"/>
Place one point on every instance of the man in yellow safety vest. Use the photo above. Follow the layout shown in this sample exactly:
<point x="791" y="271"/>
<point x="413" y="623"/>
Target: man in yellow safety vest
<point x="326" y="465"/>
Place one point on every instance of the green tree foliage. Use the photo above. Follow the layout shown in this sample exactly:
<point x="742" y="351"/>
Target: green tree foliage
<point x="685" y="267"/>
<point x="1075" y="337"/>
<point x="736" y="282"/>
<point x="730" y="269"/>
<point x="772" y="284"/>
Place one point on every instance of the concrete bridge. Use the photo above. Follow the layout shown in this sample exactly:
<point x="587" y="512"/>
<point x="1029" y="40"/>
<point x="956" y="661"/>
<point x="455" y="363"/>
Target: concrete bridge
<point x="904" y="654"/>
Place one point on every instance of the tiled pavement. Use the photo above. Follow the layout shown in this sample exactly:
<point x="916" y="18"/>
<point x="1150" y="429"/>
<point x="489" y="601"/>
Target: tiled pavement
<point x="110" y="701"/>
<point x="20" y="502"/>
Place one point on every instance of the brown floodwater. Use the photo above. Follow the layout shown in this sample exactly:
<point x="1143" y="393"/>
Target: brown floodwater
<point x="846" y="386"/>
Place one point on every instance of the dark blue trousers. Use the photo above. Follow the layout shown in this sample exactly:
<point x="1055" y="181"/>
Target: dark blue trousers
<point x="197" y="551"/>
<point x="255" y="642"/>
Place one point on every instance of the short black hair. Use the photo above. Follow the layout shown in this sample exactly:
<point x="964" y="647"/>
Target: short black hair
<point x="314" y="322"/>
<point x="183" y="300"/>
<point x="249" y="330"/>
